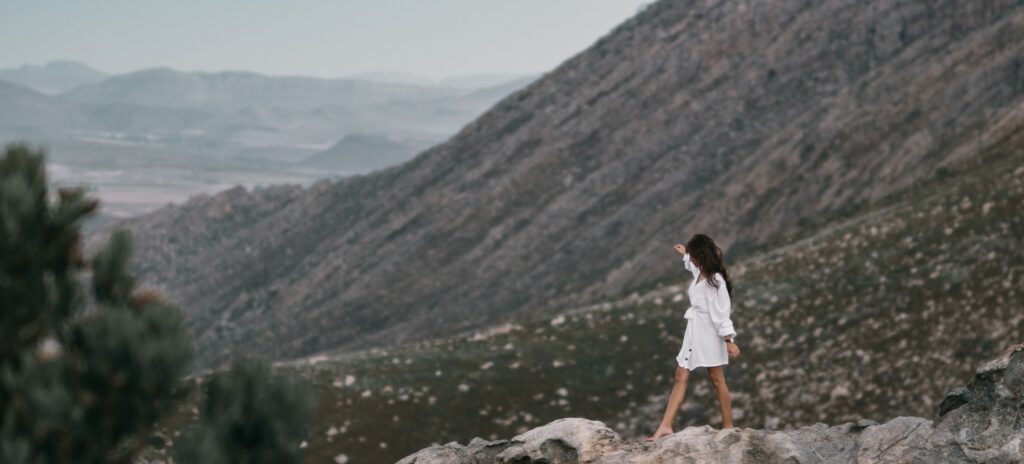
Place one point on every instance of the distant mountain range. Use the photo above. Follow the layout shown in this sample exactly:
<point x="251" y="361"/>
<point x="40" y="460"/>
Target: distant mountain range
<point x="31" y="111"/>
<point x="235" y="127"/>
<point x="53" y="77"/>
<point x="363" y="153"/>
<point x="162" y="102"/>
<point x="471" y="81"/>
<point x="233" y="91"/>
<point x="749" y="122"/>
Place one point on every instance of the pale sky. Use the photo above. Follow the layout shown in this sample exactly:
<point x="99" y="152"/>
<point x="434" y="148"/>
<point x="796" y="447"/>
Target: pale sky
<point x="324" y="38"/>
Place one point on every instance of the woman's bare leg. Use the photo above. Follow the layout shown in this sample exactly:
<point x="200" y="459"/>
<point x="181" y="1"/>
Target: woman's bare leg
<point x="717" y="376"/>
<point x="675" y="400"/>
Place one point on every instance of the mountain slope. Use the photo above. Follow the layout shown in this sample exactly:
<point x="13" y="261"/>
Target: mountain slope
<point x="747" y="122"/>
<point x="875" y="314"/>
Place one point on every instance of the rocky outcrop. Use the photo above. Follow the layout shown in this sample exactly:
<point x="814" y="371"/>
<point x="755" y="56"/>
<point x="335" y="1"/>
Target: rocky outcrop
<point x="982" y="422"/>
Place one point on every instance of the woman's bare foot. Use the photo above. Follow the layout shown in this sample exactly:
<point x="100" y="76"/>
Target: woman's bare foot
<point x="661" y="432"/>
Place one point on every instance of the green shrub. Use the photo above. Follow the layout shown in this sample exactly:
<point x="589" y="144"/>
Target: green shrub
<point x="87" y="371"/>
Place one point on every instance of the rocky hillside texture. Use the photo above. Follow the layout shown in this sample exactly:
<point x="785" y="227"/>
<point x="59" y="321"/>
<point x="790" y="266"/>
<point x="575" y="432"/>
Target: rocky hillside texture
<point x="745" y="120"/>
<point x="873" y="315"/>
<point x="983" y="422"/>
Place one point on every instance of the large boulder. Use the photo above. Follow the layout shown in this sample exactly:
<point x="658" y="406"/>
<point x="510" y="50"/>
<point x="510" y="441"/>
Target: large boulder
<point x="987" y="417"/>
<point x="562" y="441"/>
<point x="982" y="422"/>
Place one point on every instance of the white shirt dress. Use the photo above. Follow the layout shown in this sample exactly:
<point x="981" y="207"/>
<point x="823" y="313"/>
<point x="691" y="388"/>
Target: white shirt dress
<point x="707" y="322"/>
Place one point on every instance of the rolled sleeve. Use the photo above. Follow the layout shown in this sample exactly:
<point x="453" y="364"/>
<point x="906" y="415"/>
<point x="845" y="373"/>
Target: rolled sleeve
<point x="720" y="307"/>
<point x="690" y="266"/>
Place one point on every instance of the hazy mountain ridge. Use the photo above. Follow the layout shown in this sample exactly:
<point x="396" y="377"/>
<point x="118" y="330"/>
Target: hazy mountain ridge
<point x="29" y="109"/>
<point x="685" y="118"/>
<point x="470" y="81"/>
<point x="364" y="153"/>
<point x="235" y="90"/>
<point x="195" y="133"/>
<point x="53" y="77"/>
<point x="272" y="103"/>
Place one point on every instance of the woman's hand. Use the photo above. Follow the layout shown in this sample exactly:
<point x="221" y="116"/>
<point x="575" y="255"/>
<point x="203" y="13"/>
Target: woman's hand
<point x="681" y="249"/>
<point x="734" y="351"/>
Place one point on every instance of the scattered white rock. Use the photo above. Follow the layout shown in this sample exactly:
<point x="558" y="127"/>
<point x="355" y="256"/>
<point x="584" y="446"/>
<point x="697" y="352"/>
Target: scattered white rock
<point x="840" y="391"/>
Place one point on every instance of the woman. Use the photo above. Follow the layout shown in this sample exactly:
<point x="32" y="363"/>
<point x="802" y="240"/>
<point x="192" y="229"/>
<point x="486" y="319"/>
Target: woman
<point x="708" y="340"/>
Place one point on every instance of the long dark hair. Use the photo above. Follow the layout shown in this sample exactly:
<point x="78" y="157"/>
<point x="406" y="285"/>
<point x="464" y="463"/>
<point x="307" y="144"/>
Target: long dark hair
<point x="708" y="257"/>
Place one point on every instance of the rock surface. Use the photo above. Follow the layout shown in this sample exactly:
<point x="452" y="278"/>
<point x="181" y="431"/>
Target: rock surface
<point x="982" y="422"/>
